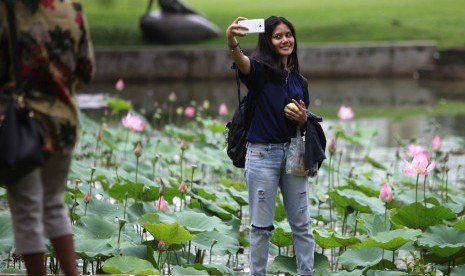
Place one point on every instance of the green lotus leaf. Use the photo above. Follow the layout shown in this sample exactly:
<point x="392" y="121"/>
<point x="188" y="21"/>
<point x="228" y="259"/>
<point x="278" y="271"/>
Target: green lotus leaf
<point x="177" y="270"/>
<point x="321" y="263"/>
<point x="138" y="209"/>
<point x="13" y="270"/>
<point x="137" y="191"/>
<point x="357" y="200"/>
<point x="95" y="227"/>
<point x="213" y="269"/>
<point x="181" y="133"/>
<point x="205" y="156"/>
<point x="356" y="272"/>
<point x="281" y="237"/>
<point x="168" y="233"/>
<point x="363" y="257"/>
<point x="364" y="185"/>
<point x="346" y="240"/>
<point x="6" y="234"/>
<point x="128" y="265"/>
<point x="139" y="251"/>
<point x="206" y="193"/>
<point x="442" y="240"/>
<point x="391" y="240"/>
<point x="280" y="212"/>
<point x="325" y="239"/>
<point x="149" y="218"/>
<point x="460" y="225"/>
<point x="199" y="222"/>
<point x="118" y="104"/>
<point x="455" y="207"/>
<point x="283" y="264"/>
<point x="239" y="185"/>
<point x="241" y="197"/>
<point x="416" y="216"/>
<point x="109" y="140"/>
<point x="101" y="208"/>
<point x="81" y="170"/>
<point x="212" y="207"/>
<point x="385" y="273"/>
<point x="458" y="271"/>
<point x="374" y="163"/>
<point x="87" y="248"/>
<point x="222" y="242"/>
<point x="374" y="224"/>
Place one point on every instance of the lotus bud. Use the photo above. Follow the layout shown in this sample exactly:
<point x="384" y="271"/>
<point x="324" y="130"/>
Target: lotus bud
<point x="119" y="85"/>
<point x="332" y="146"/>
<point x="436" y="144"/>
<point x="87" y="197"/>
<point x="385" y="195"/>
<point x="183" y="144"/>
<point x="138" y="150"/>
<point x="161" y="246"/>
<point x="183" y="187"/>
<point x="172" y="97"/>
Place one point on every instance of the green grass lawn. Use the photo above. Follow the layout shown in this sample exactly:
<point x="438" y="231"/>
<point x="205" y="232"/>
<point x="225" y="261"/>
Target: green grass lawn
<point x="116" y="22"/>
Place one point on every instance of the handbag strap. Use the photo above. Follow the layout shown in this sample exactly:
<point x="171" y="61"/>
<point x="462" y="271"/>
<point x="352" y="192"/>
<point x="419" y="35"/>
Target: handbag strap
<point x="14" y="46"/>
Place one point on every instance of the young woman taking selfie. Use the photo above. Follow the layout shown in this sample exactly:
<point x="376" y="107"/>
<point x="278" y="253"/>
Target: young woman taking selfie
<point x="272" y="73"/>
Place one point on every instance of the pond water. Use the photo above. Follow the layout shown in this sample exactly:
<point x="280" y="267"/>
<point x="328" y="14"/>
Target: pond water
<point x="328" y="94"/>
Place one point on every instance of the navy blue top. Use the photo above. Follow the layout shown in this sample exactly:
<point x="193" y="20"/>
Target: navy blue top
<point x="269" y="124"/>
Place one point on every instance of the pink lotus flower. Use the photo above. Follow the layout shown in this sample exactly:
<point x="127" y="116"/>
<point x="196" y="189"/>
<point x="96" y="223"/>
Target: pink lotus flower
<point x="183" y="187"/>
<point x="223" y="110"/>
<point x="436" y="144"/>
<point x="161" y="204"/>
<point x="420" y="165"/>
<point x="119" y="85"/>
<point x="189" y="112"/>
<point x="172" y="97"/>
<point x="345" y="113"/>
<point x="134" y="123"/>
<point x="414" y="150"/>
<point x="385" y="194"/>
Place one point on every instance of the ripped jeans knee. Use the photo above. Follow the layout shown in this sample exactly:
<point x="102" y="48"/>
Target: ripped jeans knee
<point x="263" y="230"/>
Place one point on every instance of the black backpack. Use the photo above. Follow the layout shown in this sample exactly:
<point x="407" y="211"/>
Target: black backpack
<point x="237" y="127"/>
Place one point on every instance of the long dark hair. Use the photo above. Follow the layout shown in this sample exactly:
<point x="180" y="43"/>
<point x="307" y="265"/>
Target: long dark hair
<point x="265" y="52"/>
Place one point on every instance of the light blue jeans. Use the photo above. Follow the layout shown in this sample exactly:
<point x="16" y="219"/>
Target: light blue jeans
<point x="265" y="171"/>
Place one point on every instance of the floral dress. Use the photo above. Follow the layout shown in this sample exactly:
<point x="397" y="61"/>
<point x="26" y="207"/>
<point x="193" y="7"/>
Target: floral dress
<point x="56" y="57"/>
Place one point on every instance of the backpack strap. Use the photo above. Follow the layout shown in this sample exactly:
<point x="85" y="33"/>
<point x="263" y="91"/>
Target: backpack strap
<point x="251" y="102"/>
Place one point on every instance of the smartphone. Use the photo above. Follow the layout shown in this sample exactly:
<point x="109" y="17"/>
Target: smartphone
<point x="254" y="25"/>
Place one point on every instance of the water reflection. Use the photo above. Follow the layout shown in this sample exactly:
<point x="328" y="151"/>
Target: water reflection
<point x="328" y="93"/>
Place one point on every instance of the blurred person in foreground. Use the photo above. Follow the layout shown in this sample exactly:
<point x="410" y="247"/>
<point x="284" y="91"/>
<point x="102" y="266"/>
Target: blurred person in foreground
<point x="56" y="57"/>
<point x="272" y="72"/>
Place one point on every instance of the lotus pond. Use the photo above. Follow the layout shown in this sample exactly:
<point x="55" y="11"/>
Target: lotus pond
<point x="166" y="200"/>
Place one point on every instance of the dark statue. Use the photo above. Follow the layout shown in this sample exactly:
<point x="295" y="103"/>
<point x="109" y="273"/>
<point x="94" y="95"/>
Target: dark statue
<point x="176" y="23"/>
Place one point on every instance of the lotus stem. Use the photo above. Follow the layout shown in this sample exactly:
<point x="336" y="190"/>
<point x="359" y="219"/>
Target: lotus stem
<point x="424" y="191"/>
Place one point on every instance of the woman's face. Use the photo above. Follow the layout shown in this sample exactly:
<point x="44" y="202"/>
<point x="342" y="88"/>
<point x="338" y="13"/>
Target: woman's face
<point x="283" y="40"/>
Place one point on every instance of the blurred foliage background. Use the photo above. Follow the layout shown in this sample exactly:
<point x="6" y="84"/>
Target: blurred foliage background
<point x="116" y="22"/>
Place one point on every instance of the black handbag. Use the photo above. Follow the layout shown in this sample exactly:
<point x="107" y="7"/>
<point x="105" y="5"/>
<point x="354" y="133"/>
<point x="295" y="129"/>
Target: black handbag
<point x="20" y="138"/>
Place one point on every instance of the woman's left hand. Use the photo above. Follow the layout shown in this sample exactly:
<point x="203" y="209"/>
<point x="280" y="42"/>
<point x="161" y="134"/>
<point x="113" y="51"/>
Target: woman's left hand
<point x="296" y="111"/>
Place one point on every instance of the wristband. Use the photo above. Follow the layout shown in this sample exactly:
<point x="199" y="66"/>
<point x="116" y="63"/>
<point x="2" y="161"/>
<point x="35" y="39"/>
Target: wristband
<point x="234" y="47"/>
